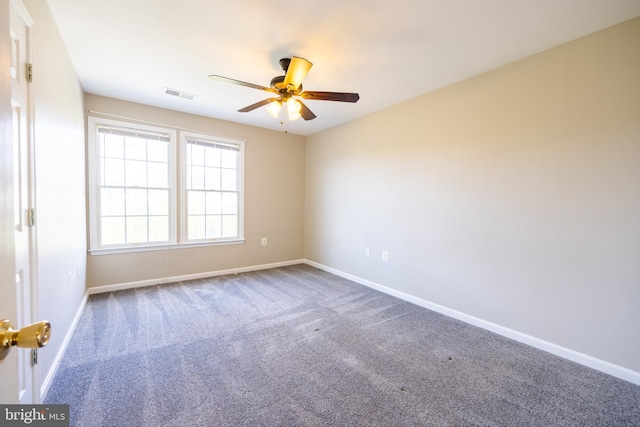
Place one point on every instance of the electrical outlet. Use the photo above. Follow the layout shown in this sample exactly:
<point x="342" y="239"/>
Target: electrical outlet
<point x="367" y="252"/>
<point x="385" y="256"/>
<point x="77" y="269"/>
<point x="264" y="241"/>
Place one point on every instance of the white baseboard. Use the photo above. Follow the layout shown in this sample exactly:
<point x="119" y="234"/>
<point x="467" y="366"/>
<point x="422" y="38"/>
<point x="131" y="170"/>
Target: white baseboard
<point x="160" y="281"/>
<point x="44" y="389"/>
<point x="581" y="358"/>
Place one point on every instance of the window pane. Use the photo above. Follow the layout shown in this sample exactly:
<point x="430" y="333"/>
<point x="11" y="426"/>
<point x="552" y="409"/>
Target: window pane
<point x="112" y="201"/>
<point x="137" y="229"/>
<point x="229" y="203"/>
<point x="158" y="202"/>
<point x="157" y="151"/>
<point x="113" y="146"/>
<point x="113" y="230"/>
<point x="136" y="173"/>
<point x="113" y="172"/>
<point x="229" y="225"/>
<point x="135" y="148"/>
<point x="214" y="202"/>
<point x="196" y="203"/>
<point x="158" y="228"/>
<point x="158" y="175"/>
<point x="212" y="178"/>
<point x="136" y="201"/>
<point x="214" y="226"/>
<point x="197" y="154"/>
<point x="197" y="178"/>
<point x="195" y="227"/>
<point x="229" y="159"/>
<point x="212" y="157"/>
<point x="229" y="179"/>
<point x="100" y="171"/>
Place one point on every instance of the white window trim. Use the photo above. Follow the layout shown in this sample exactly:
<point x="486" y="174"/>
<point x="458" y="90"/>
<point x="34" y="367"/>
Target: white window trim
<point x="177" y="203"/>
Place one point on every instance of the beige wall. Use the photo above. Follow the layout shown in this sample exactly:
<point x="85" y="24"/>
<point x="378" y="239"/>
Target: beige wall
<point x="513" y="196"/>
<point x="274" y="203"/>
<point x="59" y="183"/>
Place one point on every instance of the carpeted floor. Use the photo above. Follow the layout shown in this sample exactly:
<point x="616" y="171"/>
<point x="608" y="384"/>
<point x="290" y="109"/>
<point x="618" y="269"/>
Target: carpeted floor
<point x="296" y="346"/>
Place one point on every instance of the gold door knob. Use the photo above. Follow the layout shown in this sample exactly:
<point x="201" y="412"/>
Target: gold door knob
<point x="31" y="336"/>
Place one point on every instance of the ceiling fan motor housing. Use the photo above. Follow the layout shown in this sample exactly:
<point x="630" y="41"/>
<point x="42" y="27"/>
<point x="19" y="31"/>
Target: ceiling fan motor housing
<point x="284" y="63"/>
<point x="278" y="84"/>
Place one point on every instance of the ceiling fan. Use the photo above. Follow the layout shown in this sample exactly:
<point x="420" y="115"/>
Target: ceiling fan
<point x="287" y="87"/>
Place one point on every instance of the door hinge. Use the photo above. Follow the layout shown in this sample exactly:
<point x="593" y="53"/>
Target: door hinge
<point x="34" y="357"/>
<point x="31" y="217"/>
<point x="30" y="73"/>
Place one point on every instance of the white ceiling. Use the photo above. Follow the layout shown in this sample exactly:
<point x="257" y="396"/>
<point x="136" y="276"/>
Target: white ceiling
<point x="387" y="51"/>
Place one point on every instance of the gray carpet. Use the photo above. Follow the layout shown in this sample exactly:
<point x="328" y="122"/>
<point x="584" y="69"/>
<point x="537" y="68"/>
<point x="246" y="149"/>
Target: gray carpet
<point x="297" y="346"/>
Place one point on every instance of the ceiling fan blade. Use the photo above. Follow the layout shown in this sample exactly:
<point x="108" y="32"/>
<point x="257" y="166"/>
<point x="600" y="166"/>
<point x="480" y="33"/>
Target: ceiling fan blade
<point x="297" y="71"/>
<point x="305" y="112"/>
<point x="257" y="105"/>
<point x="331" y="96"/>
<point x="240" y="83"/>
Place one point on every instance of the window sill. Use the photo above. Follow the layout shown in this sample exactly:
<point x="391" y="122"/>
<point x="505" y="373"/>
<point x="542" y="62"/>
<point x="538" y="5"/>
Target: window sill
<point x="168" y="246"/>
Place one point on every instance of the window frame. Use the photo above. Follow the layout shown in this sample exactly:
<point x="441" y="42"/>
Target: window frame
<point x="183" y="233"/>
<point x="177" y="187"/>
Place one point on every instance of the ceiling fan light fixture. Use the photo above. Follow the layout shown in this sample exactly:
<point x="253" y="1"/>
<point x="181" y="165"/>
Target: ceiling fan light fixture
<point x="294" y="116"/>
<point x="274" y="108"/>
<point x="293" y="108"/>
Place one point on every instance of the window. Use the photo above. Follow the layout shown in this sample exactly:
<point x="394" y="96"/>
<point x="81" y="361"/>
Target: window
<point x="212" y="188"/>
<point x="148" y="191"/>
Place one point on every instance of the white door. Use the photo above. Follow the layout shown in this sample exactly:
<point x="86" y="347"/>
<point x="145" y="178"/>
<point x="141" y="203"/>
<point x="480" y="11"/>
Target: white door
<point x="25" y="391"/>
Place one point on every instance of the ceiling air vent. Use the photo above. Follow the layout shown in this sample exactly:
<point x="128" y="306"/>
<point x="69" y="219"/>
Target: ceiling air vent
<point x="179" y="94"/>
